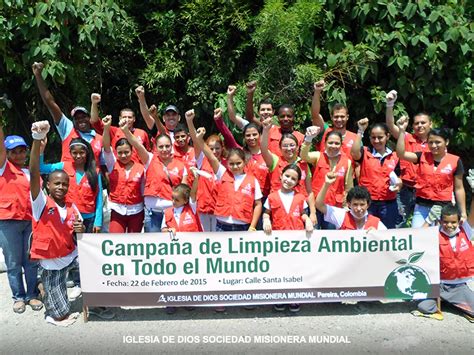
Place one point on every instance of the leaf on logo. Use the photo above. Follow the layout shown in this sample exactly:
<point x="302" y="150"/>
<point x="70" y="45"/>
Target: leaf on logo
<point x="402" y="261"/>
<point x="413" y="258"/>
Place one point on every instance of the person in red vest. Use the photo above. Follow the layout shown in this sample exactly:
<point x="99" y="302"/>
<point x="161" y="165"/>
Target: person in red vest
<point x="378" y="171"/>
<point x="115" y="132"/>
<point x="55" y="222"/>
<point x="332" y="158"/>
<point x="358" y="202"/>
<point x="439" y="174"/>
<point x="456" y="254"/>
<point x="414" y="142"/>
<point x="79" y="127"/>
<point x="15" y="222"/>
<point x="126" y="181"/>
<point x="182" y="150"/>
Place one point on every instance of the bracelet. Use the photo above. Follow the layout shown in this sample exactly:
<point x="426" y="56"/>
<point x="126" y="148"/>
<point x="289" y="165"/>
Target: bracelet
<point x="361" y="132"/>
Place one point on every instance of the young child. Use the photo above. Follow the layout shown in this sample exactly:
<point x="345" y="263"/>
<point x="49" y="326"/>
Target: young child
<point x="54" y="223"/>
<point x="358" y="201"/>
<point x="183" y="217"/>
<point x="285" y="209"/>
<point x="456" y="254"/>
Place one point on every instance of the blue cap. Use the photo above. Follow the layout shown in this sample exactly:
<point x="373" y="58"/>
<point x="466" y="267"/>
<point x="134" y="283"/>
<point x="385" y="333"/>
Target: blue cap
<point x="11" y="142"/>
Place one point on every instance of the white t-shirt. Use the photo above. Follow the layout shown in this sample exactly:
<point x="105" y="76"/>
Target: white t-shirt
<point x="336" y="215"/>
<point x="286" y="199"/>
<point x="38" y="206"/>
<point x="177" y="213"/>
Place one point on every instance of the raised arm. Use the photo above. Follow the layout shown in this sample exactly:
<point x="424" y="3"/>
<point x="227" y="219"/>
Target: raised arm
<point x="309" y="157"/>
<point x="266" y="154"/>
<point x="229" y="139"/>
<point x="46" y="95"/>
<point x="316" y="117"/>
<point x="330" y="179"/>
<point x="194" y="186"/>
<point x="402" y="124"/>
<point x="39" y="131"/>
<point x="107" y="121"/>
<point x="249" y="115"/>
<point x="95" y="99"/>
<point x="147" y="117"/>
<point x="389" y="119"/>
<point x="140" y="148"/>
<point x="355" y="149"/>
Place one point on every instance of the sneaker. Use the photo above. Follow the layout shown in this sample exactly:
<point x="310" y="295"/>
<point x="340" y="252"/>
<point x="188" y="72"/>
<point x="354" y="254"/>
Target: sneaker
<point x="279" y="307"/>
<point x="71" y="319"/>
<point x="220" y="309"/>
<point x="294" y="308"/>
<point x="170" y="310"/>
<point x="102" y="313"/>
<point x="74" y="293"/>
<point x="468" y="317"/>
<point x="70" y="284"/>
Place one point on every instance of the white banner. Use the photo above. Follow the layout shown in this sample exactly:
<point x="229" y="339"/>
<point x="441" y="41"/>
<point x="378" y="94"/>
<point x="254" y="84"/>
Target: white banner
<point x="231" y="268"/>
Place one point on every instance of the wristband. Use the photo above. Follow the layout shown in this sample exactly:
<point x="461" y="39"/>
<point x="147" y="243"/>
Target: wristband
<point x="390" y="103"/>
<point x="309" y="139"/>
<point x="38" y="135"/>
<point x="361" y="132"/>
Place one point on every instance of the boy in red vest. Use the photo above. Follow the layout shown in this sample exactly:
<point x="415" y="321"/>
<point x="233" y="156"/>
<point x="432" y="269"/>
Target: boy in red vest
<point x="358" y="201"/>
<point x="456" y="254"/>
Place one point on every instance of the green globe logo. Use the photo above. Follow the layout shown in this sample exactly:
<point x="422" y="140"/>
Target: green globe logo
<point x="408" y="281"/>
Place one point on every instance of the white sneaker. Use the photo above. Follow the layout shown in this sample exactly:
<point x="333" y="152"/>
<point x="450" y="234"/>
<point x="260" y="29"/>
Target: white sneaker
<point x="74" y="293"/>
<point x="71" y="319"/>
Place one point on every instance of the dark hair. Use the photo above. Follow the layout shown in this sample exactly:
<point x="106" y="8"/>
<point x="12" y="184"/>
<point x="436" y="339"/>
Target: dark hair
<point x="128" y="110"/>
<point x="122" y="141"/>
<point x="294" y="167"/>
<point x="359" y="193"/>
<point x="422" y="113"/>
<point x="181" y="128"/>
<point x="289" y="136"/>
<point x="333" y="133"/>
<point x="285" y="106"/>
<point x="247" y="127"/>
<point x="162" y="135"/>
<point x="441" y="132"/>
<point x="450" y="210"/>
<point x="237" y="151"/>
<point x="265" y="102"/>
<point x="58" y="171"/>
<point x="89" y="166"/>
<point x="338" y="106"/>
<point x="184" y="190"/>
<point x="382" y="125"/>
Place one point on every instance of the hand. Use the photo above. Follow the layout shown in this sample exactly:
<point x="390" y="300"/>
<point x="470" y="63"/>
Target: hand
<point x="231" y="90"/>
<point x="331" y="177"/>
<point x="314" y="218"/>
<point x="153" y="110"/>
<point x="96" y="229"/>
<point x="107" y="121"/>
<point x="319" y="86"/>
<point x="77" y="225"/>
<point x="123" y="124"/>
<point x="434" y="216"/>
<point x="251" y="86"/>
<point x="390" y="98"/>
<point x="194" y="170"/>
<point x="189" y="115"/>
<point x="39" y="130"/>
<point x="308" y="224"/>
<point x="470" y="179"/>
<point x="140" y="91"/>
<point x="363" y="124"/>
<point x="95" y="98"/>
<point x="267" y="226"/>
<point x="200" y="133"/>
<point x="311" y="133"/>
<point x="402" y="123"/>
<point x="217" y="114"/>
<point x="397" y="187"/>
<point x="267" y="123"/>
<point x="37" y="68"/>
<point x="44" y="142"/>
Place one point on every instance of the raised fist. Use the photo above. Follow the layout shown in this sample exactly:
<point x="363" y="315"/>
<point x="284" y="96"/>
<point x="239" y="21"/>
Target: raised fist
<point x="470" y="179"/>
<point x="267" y="123"/>
<point x="37" y="68"/>
<point x="402" y="122"/>
<point x="189" y="115"/>
<point x="251" y="86"/>
<point x="200" y="132"/>
<point x="153" y="110"/>
<point x="391" y="98"/>
<point x="123" y="124"/>
<point x="39" y="130"/>
<point x="217" y="114"/>
<point x="231" y="90"/>
<point x="331" y="176"/>
<point x="107" y="121"/>
<point x="95" y="98"/>
<point x="319" y="86"/>
<point x="140" y="91"/>
<point x="363" y="124"/>
<point x="311" y="133"/>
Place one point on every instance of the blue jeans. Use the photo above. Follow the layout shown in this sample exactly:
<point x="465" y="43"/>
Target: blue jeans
<point x="387" y="211"/>
<point x="406" y="204"/>
<point x="226" y="227"/>
<point x="153" y="221"/>
<point x="322" y="224"/>
<point x="419" y="215"/>
<point x="14" y="240"/>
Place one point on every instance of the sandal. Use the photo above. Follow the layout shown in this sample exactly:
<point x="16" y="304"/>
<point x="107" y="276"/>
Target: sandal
<point x="19" y="307"/>
<point x="35" y="304"/>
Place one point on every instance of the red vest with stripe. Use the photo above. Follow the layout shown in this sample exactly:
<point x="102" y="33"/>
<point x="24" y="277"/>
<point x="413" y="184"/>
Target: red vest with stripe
<point x="281" y="220"/>
<point x="335" y="194"/>
<point x="436" y="184"/>
<point x="159" y="183"/>
<point x="188" y="221"/>
<point x="206" y="193"/>
<point x="15" y="200"/>
<point x="274" y="138"/>
<point x="275" y="176"/>
<point x="456" y="264"/>
<point x="96" y="144"/>
<point x="409" y="170"/>
<point x="123" y="190"/>
<point x="349" y="222"/>
<point x="258" y="168"/>
<point x="53" y="238"/>
<point x="375" y="177"/>
<point x="80" y="194"/>
<point x="238" y="204"/>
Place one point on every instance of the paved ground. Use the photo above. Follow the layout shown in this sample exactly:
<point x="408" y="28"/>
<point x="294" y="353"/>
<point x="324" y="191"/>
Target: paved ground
<point x="328" y="328"/>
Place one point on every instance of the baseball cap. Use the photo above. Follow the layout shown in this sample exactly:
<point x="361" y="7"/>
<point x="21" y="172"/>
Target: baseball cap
<point x="11" y="142"/>
<point x="171" y="108"/>
<point x="79" y="109"/>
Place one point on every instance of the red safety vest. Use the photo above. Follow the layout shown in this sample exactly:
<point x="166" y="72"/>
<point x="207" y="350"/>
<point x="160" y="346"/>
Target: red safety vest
<point x="206" y="193"/>
<point x="53" y="238"/>
<point x="80" y="194"/>
<point x="238" y="204"/>
<point x="188" y="221"/>
<point x="281" y="220"/>
<point x="96" y="144"/>
<point x="159" y="183"/>
<point x="15" y="200"/>
<point x="335" y="193"/>
<point x="275" y="176"/>
<point x="375" y="177"/>
<point x="347" y="141"/>
<point x="123" y="190"/>
<point x="456" y="264"/>
<point x="436" y="184"/>
<point x="409" y="170"/>
<point x="349" y="222"/>
<point x="258" y="168"/>
<point x="274" y="139"/>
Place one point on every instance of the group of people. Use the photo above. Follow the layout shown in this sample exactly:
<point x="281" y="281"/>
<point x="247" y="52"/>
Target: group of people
<point x="182" y="181"/>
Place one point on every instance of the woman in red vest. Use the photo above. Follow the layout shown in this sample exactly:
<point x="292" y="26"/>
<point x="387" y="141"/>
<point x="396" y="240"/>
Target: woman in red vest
<point x="439" y="174"/>
<point x="55" y="221"/>
<point x="162" y="174"/>
<point x="377" y="171"/>
<point x="126" y="180"/>
<point x="331" y="159"/>
<point x="15" y="222"/>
